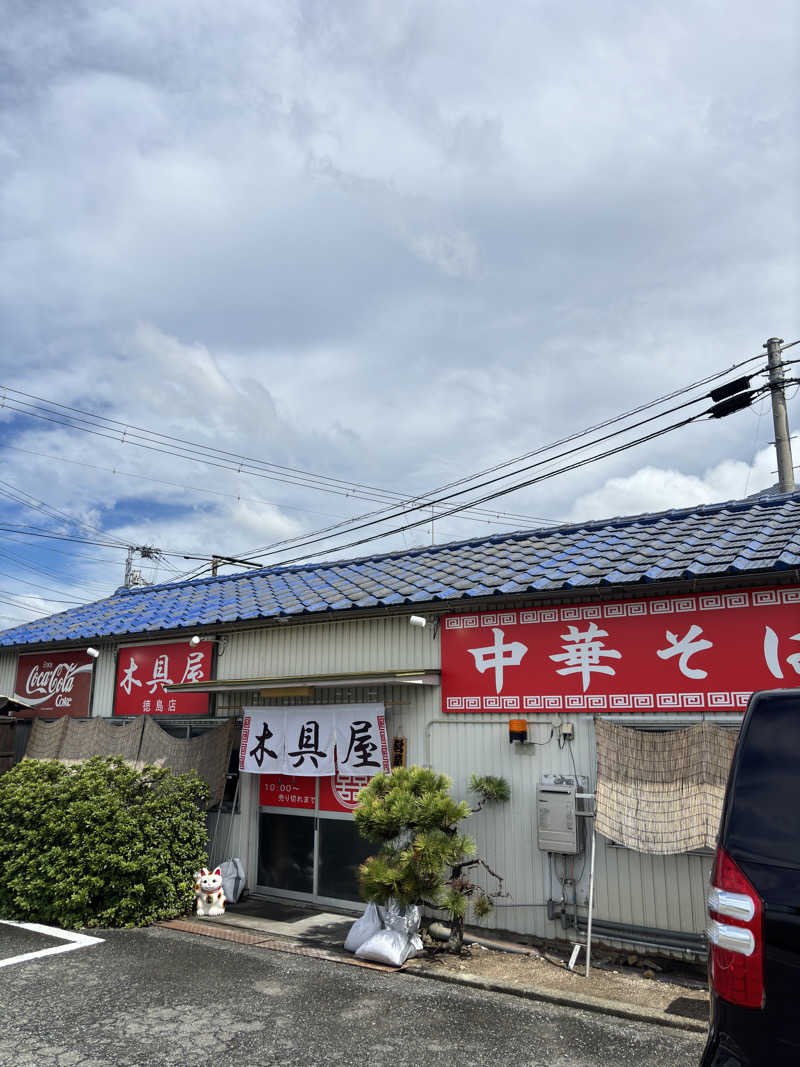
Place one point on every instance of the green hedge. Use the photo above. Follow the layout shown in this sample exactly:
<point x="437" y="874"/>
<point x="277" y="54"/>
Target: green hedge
<point x="98" y="843"/>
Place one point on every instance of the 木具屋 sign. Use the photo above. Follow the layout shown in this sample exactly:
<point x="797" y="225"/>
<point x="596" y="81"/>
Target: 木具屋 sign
<point x="683" y="653"/>
<point x="144" y="670"/>
<point x="315" y="741"/>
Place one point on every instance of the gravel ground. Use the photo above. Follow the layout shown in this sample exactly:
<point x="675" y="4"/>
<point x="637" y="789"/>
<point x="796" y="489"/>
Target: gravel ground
<point x="649" y="984"/>
<point x="681" y="991"/>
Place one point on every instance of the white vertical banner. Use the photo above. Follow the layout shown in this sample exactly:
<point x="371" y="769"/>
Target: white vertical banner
<point x="309" y="741"/>
<point x="361" y="745"/>
<point x="263" y="735"/>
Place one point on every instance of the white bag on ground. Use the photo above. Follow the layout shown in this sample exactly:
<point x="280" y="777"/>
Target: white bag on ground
<point x="363" y="928"/>
<point x="387" y="946"/>
<point x="413" y="919"/>
<point x="232" y="879"/>
<point x="404" y="920"/>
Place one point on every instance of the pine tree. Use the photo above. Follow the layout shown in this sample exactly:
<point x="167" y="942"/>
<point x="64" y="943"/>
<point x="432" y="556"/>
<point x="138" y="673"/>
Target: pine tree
<point x="424" y="858"/>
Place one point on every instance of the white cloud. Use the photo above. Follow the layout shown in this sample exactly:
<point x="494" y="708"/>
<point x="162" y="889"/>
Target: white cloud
<point x="657" y="489"/>
<point x="393" y="244"/>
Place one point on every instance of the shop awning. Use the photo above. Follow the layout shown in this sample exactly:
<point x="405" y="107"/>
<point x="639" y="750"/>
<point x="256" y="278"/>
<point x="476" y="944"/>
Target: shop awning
<point x="277" y="686"/>
<point x="8" y="705"/>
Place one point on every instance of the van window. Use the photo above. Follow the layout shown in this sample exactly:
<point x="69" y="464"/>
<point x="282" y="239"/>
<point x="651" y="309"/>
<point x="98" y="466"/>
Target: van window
<point x="762" y="819"/>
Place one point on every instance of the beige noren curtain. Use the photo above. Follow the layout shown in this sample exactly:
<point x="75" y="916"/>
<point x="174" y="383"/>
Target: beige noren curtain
<point x="138" y="742"/>
<point x="661" y="792"/>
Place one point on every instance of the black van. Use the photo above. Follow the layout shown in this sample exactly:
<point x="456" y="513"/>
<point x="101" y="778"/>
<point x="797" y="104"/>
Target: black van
<point x="754" y="899"/>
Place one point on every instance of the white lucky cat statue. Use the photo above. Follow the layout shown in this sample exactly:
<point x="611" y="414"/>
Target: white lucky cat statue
<point x="209" y="893"/>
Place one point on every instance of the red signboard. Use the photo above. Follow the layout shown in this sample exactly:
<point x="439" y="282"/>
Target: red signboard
<point x="670" y="654"/>
<point x="339" y="792"/>
<point x="54" y="683"/>
<point x="144" y="670"/>
<point x="287" y="791"/>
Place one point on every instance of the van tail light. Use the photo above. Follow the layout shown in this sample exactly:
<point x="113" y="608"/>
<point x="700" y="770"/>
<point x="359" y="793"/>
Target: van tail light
<point x="735" y="935"/>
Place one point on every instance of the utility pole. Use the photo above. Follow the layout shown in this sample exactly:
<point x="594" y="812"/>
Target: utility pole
<point x="783" y="445"/>
<point x="134" y="578"/>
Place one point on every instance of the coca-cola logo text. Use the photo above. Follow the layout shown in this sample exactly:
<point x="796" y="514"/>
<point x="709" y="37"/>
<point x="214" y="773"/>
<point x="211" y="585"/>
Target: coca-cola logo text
<point x="58" y="679"/>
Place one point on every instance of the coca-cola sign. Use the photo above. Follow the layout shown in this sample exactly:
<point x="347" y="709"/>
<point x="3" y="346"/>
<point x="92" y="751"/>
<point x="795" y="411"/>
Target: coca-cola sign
<point x="54" y="683"/>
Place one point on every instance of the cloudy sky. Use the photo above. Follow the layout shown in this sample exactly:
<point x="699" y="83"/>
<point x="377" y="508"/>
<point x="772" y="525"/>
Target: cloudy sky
<point x="391" y="244"/>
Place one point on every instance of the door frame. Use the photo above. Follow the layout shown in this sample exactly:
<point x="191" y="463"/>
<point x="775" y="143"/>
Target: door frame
<point x="303" y="813"/>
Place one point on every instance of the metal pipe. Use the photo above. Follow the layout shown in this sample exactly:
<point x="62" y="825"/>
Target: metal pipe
<point x="646" y="936"/>
<point x="591" y="905"/>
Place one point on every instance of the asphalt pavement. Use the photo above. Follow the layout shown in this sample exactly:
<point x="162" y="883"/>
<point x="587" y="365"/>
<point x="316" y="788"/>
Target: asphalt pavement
<point x="158" y="996"/>
<point x="16" y="940"/>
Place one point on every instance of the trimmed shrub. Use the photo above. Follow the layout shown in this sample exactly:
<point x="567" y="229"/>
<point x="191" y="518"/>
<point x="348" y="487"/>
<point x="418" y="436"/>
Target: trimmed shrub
<point x="98" y="843"/>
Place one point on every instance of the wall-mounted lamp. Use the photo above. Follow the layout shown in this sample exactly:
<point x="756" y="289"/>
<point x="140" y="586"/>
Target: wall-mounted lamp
<point x="195" y="640"/>
<point x="517" y="730"/>
<point x="418" y="620"/>
<point x="93" y="652"/>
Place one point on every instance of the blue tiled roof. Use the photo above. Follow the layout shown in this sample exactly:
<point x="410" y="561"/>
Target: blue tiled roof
<point x="744" y="537"/>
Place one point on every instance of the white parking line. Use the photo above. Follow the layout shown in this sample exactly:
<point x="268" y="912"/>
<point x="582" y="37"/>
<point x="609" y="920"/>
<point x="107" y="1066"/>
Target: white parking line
<point x="73" y="941"/>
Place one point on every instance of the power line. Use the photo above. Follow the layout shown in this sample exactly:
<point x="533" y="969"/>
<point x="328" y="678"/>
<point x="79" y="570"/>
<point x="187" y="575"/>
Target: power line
<point x="44" y="599"/>
<point x="430" y="499"/>
<point x="202" y="453"/>
<point x="49" y="536"/>
<point x="98" y="560"/>
<point x="171" y="485"/>
<point x="24" y="607"/>
<point x="16" y="529"/>
<point x="508" y="489"/>
<point x="199" y="453"/>
<point x="37" y="585"/>
<point x="13" y="618"/>
<point x="308" y="479"/>
<point x="20" y="561"/>
<point x="610" y="422"/>
<point x="709" y="413"/>
<point x="20" y="496"/>
<point x="324" y="535"/>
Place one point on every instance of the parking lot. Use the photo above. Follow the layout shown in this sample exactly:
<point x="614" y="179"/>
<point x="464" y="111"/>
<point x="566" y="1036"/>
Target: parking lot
<point x="24" y="942"/>
<point x="156" y="996"/>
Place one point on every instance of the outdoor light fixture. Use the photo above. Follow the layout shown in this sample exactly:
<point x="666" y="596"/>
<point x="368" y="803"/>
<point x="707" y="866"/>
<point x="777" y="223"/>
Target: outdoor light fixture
<point x="93" y="652"/>
<point x="418" y="620"/>
<point x="195" y="640"/>
<point x="517" y="730"/>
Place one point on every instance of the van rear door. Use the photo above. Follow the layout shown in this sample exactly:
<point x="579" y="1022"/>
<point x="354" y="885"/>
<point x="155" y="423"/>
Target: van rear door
<point x="760" y="831"/>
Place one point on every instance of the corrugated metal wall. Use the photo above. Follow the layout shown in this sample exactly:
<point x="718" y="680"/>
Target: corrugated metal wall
<point x="665" y="893"/>
<point x="8" y="672"/>
<point x="104" y="680"/>
<point x="335" y="647"/>
<point x="661" y="892"/>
